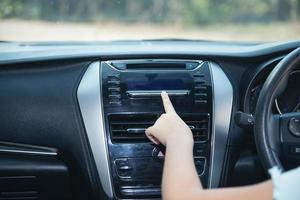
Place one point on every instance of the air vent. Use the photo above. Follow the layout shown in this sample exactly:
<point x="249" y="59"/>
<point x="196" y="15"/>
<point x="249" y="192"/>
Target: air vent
<point x="155" y="64"/>
<point x="18" y="187"/>
<point x="24" y="195"/>
<point x="199" y="125"/>
<point x="200" y="89"/>
<point x="131" y="128"/>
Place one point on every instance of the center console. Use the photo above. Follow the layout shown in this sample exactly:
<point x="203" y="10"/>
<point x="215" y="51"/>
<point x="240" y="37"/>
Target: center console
<point x="120" y="99"/>
<point x="132" y="102"/>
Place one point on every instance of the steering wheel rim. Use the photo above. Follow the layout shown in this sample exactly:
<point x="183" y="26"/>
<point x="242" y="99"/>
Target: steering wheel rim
<point x="267" y="128"/>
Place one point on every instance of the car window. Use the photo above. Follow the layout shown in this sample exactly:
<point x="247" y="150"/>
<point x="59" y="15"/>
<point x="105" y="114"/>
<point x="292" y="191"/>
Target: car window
<point x="93" y="20"/>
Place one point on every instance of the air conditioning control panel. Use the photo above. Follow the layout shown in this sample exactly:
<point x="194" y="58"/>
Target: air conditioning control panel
<point x="131" y="103"/>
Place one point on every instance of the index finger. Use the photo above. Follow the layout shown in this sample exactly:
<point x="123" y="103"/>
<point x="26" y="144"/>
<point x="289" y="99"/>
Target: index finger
<point x="167" y="102"/>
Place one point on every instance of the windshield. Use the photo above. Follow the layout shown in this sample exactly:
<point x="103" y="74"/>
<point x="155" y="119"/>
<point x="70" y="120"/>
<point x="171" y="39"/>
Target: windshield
<point x="102" y="20"/>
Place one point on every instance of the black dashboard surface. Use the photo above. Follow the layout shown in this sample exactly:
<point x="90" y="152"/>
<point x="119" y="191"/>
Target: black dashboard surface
<point x="38" y="84"/>
<point x="26" y="51"/>
<point x="39" y="107"/>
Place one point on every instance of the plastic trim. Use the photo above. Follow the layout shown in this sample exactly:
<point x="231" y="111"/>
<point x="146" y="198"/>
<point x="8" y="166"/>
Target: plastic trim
<point x="17" y="148"/>
<point x="27" y="152"/>
<point x="222" y="107"/>
<point x="28" y="52"/>
<point x="89" y="97"/>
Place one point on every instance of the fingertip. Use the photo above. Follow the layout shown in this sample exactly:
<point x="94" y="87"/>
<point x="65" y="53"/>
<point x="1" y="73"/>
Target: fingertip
<point x="154" y="141"/>
<point x="151" y="137"/>
<point x="163" y="94"/>
<point x="148" y="130"/>
<point x="167" y="102"/>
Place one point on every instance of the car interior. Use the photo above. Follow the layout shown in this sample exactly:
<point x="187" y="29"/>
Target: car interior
<point x="73" y="115"/>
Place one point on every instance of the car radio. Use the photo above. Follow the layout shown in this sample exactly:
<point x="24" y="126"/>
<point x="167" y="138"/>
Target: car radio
<point x="131" y="102"/>
<point x="131" y="88"/>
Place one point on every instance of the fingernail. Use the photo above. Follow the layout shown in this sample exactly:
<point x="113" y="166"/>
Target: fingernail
<point x="163" y="92"/>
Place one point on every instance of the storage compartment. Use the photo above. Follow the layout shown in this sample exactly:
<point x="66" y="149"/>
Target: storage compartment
<point x="33" y="177"/>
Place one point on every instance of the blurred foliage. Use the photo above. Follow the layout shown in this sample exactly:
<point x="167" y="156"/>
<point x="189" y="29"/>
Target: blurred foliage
<point x="153" y="11"/>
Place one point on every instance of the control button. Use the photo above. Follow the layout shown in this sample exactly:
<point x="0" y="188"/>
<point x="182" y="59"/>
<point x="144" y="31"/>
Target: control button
<point x="124" y="169"/>
<point x="114" y="96"/>
<point x="114" y="89"/>
<point x="198" y="150"/>
<point x="160" y="155"/>
<point x="200" y="102"/>
<point x="200" y="138"/>
<point x="200" y="94"/>
<point x="244" y="120"/>
<point x="200" y="163"/>
<point x="199" y="75"/>
<point x="121" y="162"/>
<point x="200" y="88"/>
<point x="294" y="126"/>
<point x="115" y="102"/>
<point x="295" y="150"/>
<point x="115" y="82"/>
<point x="199" y="81"/>
<point x="114" y="93"/>
<point x="158" y="152"/>
<point x="113" y="76"/>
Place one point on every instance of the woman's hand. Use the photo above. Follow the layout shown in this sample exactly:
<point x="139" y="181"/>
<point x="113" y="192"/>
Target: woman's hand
<point x="169" y="127"/>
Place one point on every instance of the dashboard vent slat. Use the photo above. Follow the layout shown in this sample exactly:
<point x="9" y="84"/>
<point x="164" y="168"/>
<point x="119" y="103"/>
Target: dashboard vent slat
<point x="130" y="128"/>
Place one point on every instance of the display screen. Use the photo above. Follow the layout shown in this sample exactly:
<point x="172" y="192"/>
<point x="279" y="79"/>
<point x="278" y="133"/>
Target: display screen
<point x="156" y="84"/>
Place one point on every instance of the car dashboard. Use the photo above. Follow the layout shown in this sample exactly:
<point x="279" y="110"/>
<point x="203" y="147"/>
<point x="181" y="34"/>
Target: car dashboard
<point x="73" y="115"/>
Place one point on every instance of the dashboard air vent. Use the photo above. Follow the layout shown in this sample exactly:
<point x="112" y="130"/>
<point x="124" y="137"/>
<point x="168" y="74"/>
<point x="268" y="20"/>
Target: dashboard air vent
<point x="18" y="187"/>
<point x="131" y="128"/>
<point x="155" y="64"/>
<point x="199" y="125"/>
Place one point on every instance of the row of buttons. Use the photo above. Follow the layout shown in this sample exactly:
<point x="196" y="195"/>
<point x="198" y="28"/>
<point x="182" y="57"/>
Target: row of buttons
<point x="114" y="95"/>
<point x="200" y="89"/>
<point x="125" y="169"/>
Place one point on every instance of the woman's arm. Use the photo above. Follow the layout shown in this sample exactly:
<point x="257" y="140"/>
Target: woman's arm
<point x="180" y="180"/>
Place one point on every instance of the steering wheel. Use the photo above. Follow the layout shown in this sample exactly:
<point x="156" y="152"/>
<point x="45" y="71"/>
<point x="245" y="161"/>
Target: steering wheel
<point x="277" y="136"/>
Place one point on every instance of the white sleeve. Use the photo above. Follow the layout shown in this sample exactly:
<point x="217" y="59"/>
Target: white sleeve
<point x="286" y="186"/>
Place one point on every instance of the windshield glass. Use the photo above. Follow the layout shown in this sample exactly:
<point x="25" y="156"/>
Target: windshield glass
<point x="102" y="20"/>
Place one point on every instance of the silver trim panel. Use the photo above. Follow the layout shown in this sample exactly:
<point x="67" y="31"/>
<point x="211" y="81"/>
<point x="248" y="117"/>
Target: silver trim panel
<point x="89" y="97"/>
<point x="221" y="116"/>
<point x="31" y="152"/>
